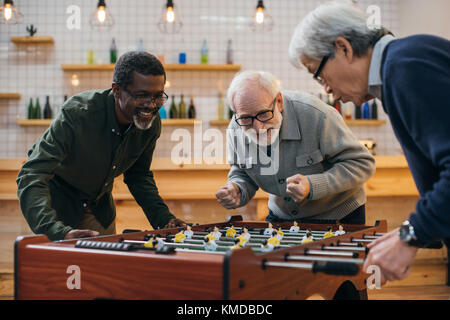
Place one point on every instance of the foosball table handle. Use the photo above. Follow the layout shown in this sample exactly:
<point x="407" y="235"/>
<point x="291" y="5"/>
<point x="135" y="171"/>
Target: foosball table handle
<point x="336" y="268"/>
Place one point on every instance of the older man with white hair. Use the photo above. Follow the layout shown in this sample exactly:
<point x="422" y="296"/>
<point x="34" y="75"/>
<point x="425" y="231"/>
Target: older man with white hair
<point x="411" y="76"/>
<point x="296" y="148"/>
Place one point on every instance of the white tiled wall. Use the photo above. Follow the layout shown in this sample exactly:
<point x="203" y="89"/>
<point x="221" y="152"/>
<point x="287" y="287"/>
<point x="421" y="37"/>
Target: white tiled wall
<point x="35" y="71"/>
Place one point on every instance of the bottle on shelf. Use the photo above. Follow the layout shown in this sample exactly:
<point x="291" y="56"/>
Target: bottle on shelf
<point x="348" y="111"/>
<point x="173" y="113"/>
<point x="220" y="107"/>
<point x="140" y="46"/>
<point x="229" y="52"/>
<point x="366" y="110"/>
<point x="47" y="109"/>
<point x="90" y="57"/>
<point x="37" y="109"/>
<point x="204" y="52"/>
<point x="374" y="109"/>
<point x="182" y="108"/>
<point x="113" y="52"/>
<point x="30" y="109"/>
<point x="191" y="110"/>
<point x="358" y="112"/>
<point x="162" y="112"/>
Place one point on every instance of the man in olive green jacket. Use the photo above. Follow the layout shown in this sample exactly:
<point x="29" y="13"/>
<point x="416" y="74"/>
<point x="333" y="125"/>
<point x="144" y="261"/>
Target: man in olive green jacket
<point x="65" y="186"/>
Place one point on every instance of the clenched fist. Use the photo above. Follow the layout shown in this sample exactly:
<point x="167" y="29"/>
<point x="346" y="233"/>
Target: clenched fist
<point x="298" y="187"/>
<point x="229" y="196"/>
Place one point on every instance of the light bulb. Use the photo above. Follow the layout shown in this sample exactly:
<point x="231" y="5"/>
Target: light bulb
<point x="101" y="14"/>
<point x="170" y="15"/>
<point x="75" y="81"/>
<point x="7" y="13"/>
<point x="259" y="17"/>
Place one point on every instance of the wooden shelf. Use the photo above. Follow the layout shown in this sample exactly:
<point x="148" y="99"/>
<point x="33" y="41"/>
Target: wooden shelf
<point x="219" y="122"/>
<point x="32" y="40"/>
<point x="180" y="122"/>
<point x="165" y="122"/>
<point x="167" y="67"/>
<point x="10" y="95"/>
<point x="365" y="122"/>
<point x="34" y="122"/>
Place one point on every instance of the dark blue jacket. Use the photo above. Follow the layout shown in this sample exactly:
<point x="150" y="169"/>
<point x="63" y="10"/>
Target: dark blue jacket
<point x="416" y="96"/>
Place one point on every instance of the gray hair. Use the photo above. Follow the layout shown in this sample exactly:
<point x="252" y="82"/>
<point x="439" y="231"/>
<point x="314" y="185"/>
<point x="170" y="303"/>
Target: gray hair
<point x="263" y="79"/>
<point x="316" y="34"/>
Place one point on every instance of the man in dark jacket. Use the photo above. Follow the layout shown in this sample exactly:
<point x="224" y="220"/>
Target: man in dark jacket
<point x="65" y="186"/>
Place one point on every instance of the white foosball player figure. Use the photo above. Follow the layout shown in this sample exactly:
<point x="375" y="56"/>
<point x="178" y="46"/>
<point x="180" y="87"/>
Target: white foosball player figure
<point x="341" y="231"/>
<point x="188" y="232"/>
<point x="268" y="231"/>
<point x="295" y="227"/>
<point x="209" y="244"/>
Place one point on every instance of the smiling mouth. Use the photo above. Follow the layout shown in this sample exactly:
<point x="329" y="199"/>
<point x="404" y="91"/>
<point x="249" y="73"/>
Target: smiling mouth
<point x="146" y="113"/>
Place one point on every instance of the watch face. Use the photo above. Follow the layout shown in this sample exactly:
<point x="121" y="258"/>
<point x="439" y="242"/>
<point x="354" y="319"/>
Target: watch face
<point x="405" y="235"/>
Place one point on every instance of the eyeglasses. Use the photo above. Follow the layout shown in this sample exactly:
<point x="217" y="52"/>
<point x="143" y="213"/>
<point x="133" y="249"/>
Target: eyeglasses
<point x="319" y="70"/>
<point x="263" y="116"/>
<point x="158" y="100"/>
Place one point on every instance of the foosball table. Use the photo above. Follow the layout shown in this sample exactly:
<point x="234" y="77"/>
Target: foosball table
<point x="133" y="265"/>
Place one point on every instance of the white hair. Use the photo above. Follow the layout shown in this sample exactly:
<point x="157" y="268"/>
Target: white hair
<point x="316" y="34"/>
<point x="263" y="79"/>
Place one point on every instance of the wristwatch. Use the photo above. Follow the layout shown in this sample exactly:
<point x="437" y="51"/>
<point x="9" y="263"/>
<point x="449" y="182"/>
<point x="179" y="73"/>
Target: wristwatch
<point x="407" y="234"/>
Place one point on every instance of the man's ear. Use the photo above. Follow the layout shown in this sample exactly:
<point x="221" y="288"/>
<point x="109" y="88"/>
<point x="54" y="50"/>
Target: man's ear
<point x="116" y="90"/>
<point x="344" y="49"/>
<point x="280" y="102"/>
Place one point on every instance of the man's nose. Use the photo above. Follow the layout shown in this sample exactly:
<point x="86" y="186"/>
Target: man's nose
<point x="257" y="125"/>
<point x="328" y="89"/>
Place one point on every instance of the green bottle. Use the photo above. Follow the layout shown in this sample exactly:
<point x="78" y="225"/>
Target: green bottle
<point x="30" y="109"/>
<point x="191" y="110"/>
<point x="173" y="113"/>
<point x="37" y="110"/>
<point x="182" y="109"/>
<point x="113" y="52"/>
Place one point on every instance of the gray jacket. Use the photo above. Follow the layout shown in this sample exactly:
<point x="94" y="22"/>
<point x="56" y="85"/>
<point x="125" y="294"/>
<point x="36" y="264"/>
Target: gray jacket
<point x="314" y="141"/>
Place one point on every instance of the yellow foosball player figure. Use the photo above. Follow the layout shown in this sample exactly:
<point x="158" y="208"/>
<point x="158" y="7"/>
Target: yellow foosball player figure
<point x="244" y="237"/>
<point x="308" y="237"/>
<point x="237" y="244"/>
<point x="266" y="246"/>
<point x="180" y="236"/>
<point x="151" y="243"/>
<point x="188" y="232"/>
<point x="209" y="244"/>
<point x="274" y="241"/>
<point x="329" y="233"/>
<point x="280" y="233"/>
<point x="341" y="231"/>
<point x="231" y="232"/>
<point x="295" y="227"/>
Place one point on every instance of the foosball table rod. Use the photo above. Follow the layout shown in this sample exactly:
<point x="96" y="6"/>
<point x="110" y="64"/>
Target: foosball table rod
<point x="335" y="268"/>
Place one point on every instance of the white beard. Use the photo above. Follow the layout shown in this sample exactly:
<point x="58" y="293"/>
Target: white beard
<point x="263" y="140"/>
<point x="143" y="125"/>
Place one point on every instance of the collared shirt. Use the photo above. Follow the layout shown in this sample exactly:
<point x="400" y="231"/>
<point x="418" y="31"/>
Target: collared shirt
<point x="375" y="81"/>
<point x="73" y="166"/>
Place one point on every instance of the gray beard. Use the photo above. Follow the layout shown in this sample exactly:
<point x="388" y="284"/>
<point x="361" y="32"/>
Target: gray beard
<point x="143" y="125"/>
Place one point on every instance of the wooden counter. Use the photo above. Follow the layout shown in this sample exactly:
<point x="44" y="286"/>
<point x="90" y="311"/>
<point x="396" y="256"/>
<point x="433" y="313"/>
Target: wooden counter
<point x="200" y="181"/>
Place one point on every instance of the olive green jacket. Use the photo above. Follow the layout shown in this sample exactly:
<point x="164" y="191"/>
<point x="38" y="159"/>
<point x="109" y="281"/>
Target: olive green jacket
<point x="75" y="162"/>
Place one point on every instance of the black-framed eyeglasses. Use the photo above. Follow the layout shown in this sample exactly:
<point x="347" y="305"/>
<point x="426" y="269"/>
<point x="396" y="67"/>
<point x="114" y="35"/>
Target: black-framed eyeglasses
<point x="158" y="100"/>
<point x="263" y="116"/>
<point x="322" y="64"/>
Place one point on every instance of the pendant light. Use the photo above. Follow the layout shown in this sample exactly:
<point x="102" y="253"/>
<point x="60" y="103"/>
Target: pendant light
<point x="9" y="13"/>
<point x="170" y="21"/>
<point x="262" y="21"/>
<point x="101" y="18"/>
